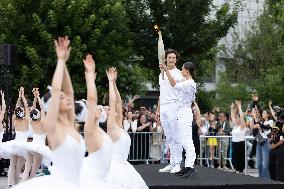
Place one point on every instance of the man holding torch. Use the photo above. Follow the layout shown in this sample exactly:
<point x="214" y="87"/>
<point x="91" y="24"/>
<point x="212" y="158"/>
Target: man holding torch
<point x="167" y="106"/>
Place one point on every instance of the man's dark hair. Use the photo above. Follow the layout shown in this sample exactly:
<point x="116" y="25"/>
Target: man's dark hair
<point x="169" y="51"/>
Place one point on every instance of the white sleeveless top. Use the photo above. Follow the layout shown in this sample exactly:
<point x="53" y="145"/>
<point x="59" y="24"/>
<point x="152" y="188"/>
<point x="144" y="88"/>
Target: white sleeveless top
<point x="97" y="164"/>
<point x="39" y="138"/>
<point x="68" y="159"/>
<point x="21" y="136"/>
<point x="121" y="148"/>
<point x="238" y="134"/>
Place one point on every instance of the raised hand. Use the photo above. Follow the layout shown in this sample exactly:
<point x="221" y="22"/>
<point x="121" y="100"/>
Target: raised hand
<point x="238" y="104"/>
<point x="253" y="113"/>
<point x="232" y="106"/>
<point x="62" y="48"/>
<point x="111" y="74"/>
<point x="136" y="97"/>
<point x="254" y="97"/>
<point x="248" y="106"/>
<point x="270" y="103"/>
<point x="89" y="63"/>
<point x="22" y="91"/>
<point x="115" y="73"/>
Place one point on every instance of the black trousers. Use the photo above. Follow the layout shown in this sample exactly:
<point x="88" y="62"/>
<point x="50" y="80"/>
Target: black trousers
<point x="276" y="164"/>
<point x="238" y="156"/>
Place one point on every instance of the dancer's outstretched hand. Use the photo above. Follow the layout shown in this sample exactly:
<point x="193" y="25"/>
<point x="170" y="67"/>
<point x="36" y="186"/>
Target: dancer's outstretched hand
<point x="22" y="91"/>
<point x="115" y="73"/>
<point x="111" y="74"/>
<point x="89" y="64"/>
<point x="62" y="48"/>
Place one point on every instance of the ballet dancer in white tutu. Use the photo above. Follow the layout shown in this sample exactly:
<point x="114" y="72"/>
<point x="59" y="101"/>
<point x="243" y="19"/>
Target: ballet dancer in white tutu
<point x="12" y="149"/>
<point x="67" y="145"/>
<point x="96" y="166"/>
<point x="2" y="115"/>
<point x="36" y="150"/>
<point x="123" y="174"/>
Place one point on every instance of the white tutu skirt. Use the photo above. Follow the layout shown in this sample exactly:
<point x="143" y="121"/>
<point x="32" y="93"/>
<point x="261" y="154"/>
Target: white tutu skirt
<point x="124" y="176"/>
<point x="12" y="147"/>
<point x="46" y="182"/>
<point x="95" y="183"/>
<point x="39" y="148"/>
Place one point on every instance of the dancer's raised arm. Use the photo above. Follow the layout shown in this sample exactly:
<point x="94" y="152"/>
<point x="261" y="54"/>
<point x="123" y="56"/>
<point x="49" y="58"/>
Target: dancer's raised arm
<point x="42" y="112"/>
<point x="93" y="137"/>
<point x="18" y="103"/>
<point x="111" y="74"/>
<point x="35" y="98"/>
<point x="67" y="88"/>
<point x="118" y="103"/>
<point x="26" y="106"/>
<point x="62" y="51"/>
<point x="3" y="108"/>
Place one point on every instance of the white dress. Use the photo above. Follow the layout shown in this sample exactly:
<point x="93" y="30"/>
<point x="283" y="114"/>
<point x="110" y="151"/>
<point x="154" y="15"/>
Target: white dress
<point x="12" y="147"/>
<point x="96" y="167"/>
<point x="38" y="146"/>
<point x="122" y="174"/>
<point x="65" y="171"/>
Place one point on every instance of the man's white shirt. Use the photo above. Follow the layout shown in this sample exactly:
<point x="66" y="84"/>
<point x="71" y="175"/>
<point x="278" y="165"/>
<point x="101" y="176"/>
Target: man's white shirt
<point x="167" y="93"/>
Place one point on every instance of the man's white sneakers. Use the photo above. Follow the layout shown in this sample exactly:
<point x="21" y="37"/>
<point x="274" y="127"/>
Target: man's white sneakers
<point x="166" y="169"/>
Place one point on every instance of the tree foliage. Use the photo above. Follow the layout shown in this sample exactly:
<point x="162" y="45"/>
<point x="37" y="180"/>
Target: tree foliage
<point x="227" y="93"/>
<point x="192" y="27"/>
<point x="258" y="60"/>
<point x="119" y="33"/>
<point x="98" y="27"/>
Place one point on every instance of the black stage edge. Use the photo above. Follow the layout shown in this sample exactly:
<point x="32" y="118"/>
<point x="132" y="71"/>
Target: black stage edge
<point x="205" y="178"/>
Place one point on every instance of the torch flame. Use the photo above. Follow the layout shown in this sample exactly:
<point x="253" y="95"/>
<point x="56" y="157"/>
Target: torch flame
<point x="156" y="27"/>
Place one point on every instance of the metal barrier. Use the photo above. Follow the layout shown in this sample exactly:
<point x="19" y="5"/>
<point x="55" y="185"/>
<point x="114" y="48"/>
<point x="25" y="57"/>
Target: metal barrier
<point x="218" y="153"/>
<point x="145" y="146"/>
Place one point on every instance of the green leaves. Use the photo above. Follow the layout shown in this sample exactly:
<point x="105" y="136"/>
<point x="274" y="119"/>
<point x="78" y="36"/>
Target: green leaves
<point x="259" y="57"/>
<point x="187" y="26"/>
<point x="118" y="33"/>
<point x="97" y="27"/>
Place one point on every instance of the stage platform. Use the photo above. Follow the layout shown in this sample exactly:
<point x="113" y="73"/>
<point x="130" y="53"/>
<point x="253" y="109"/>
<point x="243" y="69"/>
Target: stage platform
<point x="205" y="178"/>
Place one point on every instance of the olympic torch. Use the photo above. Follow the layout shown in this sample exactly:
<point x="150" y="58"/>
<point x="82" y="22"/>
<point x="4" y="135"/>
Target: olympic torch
<point x="161" y="49"/>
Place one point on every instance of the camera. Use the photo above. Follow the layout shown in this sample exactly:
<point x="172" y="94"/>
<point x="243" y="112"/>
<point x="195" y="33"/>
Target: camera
<point x="279" y="112"/>
<point x="276" y="135"/>
<point x="265" y="127"/>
